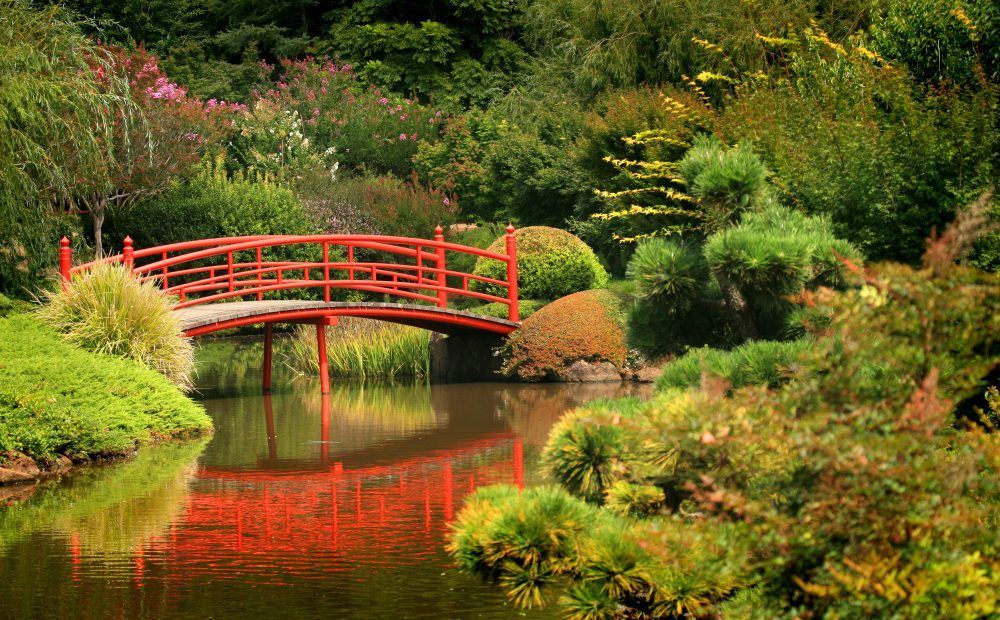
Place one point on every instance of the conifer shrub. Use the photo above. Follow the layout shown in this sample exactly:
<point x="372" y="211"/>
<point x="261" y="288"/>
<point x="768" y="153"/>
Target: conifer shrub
<point x="551" y="263"/>
<point x="857" y="489"/>
<point x="724" y="181"/>
<point x="109" y="310"/>
<point x="739" y="285"/>
<point x="759" y="362"/>
<point x="57" y="398"/>
<point x="587" y="326"/>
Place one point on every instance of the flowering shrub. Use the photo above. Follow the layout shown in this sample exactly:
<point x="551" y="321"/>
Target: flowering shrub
<point x="381" y="205"/>
<point x="360" y="127"/>
<point x="268" y="142"/>
<point x="587" y="326"/>
<point x="158" y="141"/>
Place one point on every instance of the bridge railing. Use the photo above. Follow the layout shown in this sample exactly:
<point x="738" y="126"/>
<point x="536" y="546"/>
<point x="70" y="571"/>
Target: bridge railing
<point x="408" y="268"/>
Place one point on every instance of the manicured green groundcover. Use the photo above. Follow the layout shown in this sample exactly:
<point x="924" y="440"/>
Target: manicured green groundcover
<point x="58" y="399"/>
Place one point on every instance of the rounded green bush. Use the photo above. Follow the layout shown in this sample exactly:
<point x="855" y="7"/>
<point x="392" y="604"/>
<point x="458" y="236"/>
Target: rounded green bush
<point x="551" y="263"/>
<point x="497" y="310"/>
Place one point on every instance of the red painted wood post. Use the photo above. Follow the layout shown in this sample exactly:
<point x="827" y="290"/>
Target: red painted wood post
<point x="519" y="463"/>
<point x="128" y="258"/>
<point x="326" y="271"/>
<point x="65" y="261"/>
<point x="513" y="315"/>
<point x="441" y="265"/>
<point x="268" y="335"/>
<point x="324" y="367"/>
<point x="324" y="429"/>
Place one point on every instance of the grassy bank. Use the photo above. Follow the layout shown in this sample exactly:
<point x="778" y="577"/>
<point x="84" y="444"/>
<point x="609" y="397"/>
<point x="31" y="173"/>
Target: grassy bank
<point x="58" y="399"/>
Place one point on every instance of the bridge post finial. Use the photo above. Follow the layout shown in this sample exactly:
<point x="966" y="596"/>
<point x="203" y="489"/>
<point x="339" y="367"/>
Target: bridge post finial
<point x="513" y="313"/>
<point x="127" y="253"/>
<point x="65" y="260"/>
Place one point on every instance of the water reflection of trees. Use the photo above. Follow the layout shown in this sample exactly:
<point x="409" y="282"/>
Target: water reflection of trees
<point x="303" y="425"/>
<point x="112" y="509"/>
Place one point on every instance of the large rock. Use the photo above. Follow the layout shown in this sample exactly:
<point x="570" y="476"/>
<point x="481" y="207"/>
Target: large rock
<point x="17" y="467"/>
<point x="589" y="372"/>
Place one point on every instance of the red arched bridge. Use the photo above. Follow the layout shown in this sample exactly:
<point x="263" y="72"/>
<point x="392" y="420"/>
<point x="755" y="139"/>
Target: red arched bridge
<point x="231" y="282"/>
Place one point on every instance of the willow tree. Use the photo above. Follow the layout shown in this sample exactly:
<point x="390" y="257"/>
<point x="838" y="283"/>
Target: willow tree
<point x="54" y="118"/>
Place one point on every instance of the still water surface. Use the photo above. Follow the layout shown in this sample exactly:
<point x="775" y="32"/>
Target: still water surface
<point x="299" y="506"/>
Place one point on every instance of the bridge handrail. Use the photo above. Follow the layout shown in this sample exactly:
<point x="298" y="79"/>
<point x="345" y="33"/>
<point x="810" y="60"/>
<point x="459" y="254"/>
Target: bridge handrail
<point x="429" y="272"/>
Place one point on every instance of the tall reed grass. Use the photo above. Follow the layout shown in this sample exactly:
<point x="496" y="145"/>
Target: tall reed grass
<point x="109" y="310"/>
<point x="364" y="349"/>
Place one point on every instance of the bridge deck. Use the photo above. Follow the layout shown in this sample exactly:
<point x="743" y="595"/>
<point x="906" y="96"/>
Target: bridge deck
<point x="203" y="317"/>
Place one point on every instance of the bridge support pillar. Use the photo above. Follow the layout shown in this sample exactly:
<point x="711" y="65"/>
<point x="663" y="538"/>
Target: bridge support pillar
<point x="268" y="336"/>
<point x="324" y="366"/>
<point x="465" y="358"/>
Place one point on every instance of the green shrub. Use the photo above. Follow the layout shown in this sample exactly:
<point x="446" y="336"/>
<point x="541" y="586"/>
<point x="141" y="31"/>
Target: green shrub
<point x="587" y="326"/>
<point x="725" y="181"/>
<point x="58" y="399"/>
<point x="10" y="306"/>
<point x="885" y="158"/>
<point x="497" y="310"/>
<point x="551" y="263"/>
<point x="364" y="349"/>
<point x="939" y="41"/>
<point x="108" y="310"/>
<point x="500" y="169"/>
<point x="742" y="278"/>
<point x="882" y="499"/>
<point x="213" y="204"/>
<point x="760" y="362"/>
<point x="381" y="205"/>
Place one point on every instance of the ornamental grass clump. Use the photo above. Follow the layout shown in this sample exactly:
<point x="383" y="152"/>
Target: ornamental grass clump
<point x="107" y="309"/>
<point x="364" y="349"/>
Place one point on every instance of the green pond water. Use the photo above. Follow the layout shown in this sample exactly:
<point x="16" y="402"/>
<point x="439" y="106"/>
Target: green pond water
<point x="299" y="506"/>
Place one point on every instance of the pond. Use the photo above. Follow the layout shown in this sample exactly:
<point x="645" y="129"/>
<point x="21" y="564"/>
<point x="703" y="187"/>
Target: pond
<point x="299" y="505"/>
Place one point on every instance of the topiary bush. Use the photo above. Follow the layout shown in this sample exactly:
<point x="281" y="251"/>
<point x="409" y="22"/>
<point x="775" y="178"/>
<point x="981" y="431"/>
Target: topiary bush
<point x="587" y="326"/>
<point x="737" y="286"/>
<point x="497" y="310"/>
<point x="551" y="263"/>
<point x="109" y="310"/>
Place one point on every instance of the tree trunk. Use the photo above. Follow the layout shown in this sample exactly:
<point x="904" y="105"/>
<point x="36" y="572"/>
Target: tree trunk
<point x="739" y="309"/>
<point x="97" y="215"/>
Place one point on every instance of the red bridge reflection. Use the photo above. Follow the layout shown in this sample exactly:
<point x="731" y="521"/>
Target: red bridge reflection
<point x="301" y="517"/>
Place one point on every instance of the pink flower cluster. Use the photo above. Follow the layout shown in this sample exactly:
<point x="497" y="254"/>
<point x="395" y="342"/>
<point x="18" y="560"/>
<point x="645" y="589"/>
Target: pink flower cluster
<point x="165" y="89"/>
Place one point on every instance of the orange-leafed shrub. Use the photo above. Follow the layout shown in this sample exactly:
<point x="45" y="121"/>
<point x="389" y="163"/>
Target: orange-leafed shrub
<point x="587" y="326"/>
